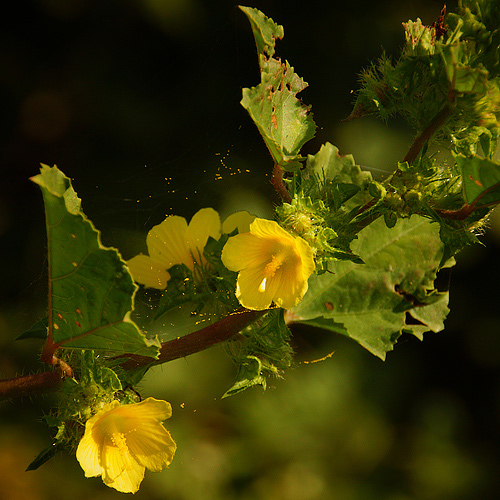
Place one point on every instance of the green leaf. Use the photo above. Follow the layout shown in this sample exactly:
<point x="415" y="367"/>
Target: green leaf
<point x="37" y="331"/>
<point x="45" y="455"/>
<point x="263" y="350"/>
<point x="477" y="22"/>
<point x="96" y="375"/>
<point x="249" y="375"/>
<point x="429" y="318"/>
<point x="480" y="179"/>
<point x="462" y="78"/>
<point x="265" y="31"/>
<point x="328" y="170"/>
<point x="91" y="291"/>
<point x="420" y="39"/>
<point x="371" y="302"/>
<point x="284" y="122"/>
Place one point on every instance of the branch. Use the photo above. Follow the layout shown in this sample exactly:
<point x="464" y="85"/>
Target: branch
<point x="277" y="181"/>
<point x="427" y="133"/>
<point x="224" y="329"/>
<point x="197" y="341"/>
<point x="30" y="385"/>
<point x="415" y="148"/>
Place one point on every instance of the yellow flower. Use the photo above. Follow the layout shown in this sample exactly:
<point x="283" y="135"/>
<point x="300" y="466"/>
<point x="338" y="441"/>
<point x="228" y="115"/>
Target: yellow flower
<point x="175" y="242"/>
<point x="120" y="441"/>
<point x="273" y="265"/>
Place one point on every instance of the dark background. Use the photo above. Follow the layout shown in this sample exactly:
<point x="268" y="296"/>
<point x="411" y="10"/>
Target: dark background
<point x="138" y="102"/>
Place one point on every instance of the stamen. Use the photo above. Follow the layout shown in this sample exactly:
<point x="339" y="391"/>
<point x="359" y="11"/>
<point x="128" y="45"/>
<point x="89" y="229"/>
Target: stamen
<point x="119" y="441"/>
<point x="273" y="266"/>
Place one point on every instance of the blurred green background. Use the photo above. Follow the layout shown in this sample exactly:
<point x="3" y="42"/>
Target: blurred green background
<point x="138" y="102"/>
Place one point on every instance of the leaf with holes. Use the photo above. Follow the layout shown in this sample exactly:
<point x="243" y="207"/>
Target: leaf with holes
<point x="393" y="291"/>
<point x="91" y="292"/>
<point x="284" y="122"/>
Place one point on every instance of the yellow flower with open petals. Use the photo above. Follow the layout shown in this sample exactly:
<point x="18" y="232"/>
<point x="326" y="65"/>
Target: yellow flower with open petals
<point x="174" y="241"/>
<point x="121" y="441"/>
<point x="272" y="264"/>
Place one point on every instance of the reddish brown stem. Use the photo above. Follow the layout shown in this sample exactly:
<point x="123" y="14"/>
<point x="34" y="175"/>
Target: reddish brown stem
<point x="197" y="341"/>
<point x="213" y="334"/>
<point x="460" y="214"/>
<point x="30" y="385"/>
<point x="427" y="133"/>
<point x="277" y="181"/>
<point x="417" y="146"/>
<point x="464" y="212"/>
<point x="366" y="206"/>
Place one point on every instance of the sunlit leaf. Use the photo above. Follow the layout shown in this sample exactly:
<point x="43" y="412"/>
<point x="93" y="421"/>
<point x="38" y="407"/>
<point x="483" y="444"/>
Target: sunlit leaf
<point x="90" y="289"/>
<point x="284" y="122"/>
<point x="265" y="31"/>
<point x="338" y="174"/>
<point x="249" y="375"/>
<point x="371" y="302"/>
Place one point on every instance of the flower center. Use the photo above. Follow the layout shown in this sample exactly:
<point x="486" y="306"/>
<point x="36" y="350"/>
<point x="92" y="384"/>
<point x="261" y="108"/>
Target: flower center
<point x="119" y="441"/>
<point x="277" y="260"/>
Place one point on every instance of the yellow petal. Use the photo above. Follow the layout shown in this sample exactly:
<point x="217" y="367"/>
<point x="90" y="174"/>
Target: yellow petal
<point x="263" y="228"/>
<point x="167" y="242"/>
<point x="121" y="440"/>
<point x="148" y="272"/>
<point x="306" y="255"/>
<point x="127" y="482"/>
<point x="273" y="265"/>
<point x="150" y="408"/>
<point x="88" y="454"/>
<point x="152" y="446"/>
<point x="93" y="422"/>
<point x="293" y="277"/>
<point x="205" y="223"/>
<point x="291" y="288"/>
<point x="245" y="251"/>
<point x="121" y="470"/>
<point x="239" y="220"/>
<point x="250" y="291"/>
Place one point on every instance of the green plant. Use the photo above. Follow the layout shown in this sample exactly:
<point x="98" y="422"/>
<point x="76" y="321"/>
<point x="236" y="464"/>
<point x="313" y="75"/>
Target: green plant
<point x="377" y="246"/>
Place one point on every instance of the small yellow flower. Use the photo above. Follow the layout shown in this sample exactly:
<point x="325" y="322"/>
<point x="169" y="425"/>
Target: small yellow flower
<point x="175" y="242"/>
<point x="273" y="265"/>
<point x="121" y="441"/>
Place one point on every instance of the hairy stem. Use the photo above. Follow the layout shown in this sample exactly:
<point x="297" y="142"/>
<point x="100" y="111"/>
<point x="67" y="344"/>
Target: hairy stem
<point x="277" y="181"/>
<point x="419" y="142"/>
<point x="213" y="334"/>
<point x="30" y="385"/>
<point x="427" y="133"/>
<point x="197" y="341"/>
